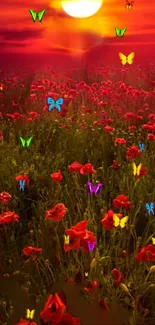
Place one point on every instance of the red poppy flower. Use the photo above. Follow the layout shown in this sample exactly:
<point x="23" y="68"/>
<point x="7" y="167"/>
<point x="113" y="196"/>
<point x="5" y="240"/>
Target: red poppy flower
<point x="146" y="253"/>
<point x="31" y="251"/>
<point x="77" y="231"/>
<point x="57" y="177"/>
<point x="75" y="167"/>
<point x="87" y="169"/>
<point x="8" y="217"/>
<point x="133" y="152"/>
<point x="25" y="322"/>
<point x="120" y="141"/>
<point x="149" y="127"/>
<point x="5" y="197"/>
<point x="108" y="221"/>
<point x="108" y="129"/>
<point x="89" y="237"/>
<point x="151" y="137"/>
<point x="57" y="213"/>
<point x="74" y="245"/>
<point x="68" y="319"/>
<point x="143" y="172"/>
<point x="79" y="237"/>
<point x="122" y="201"/>
<point x="23" y="178"/>
<point x="118" y="277"/>
<point x="115" y="165"/>
<point x="131" y="127"/>
<point x="53" y="310"/>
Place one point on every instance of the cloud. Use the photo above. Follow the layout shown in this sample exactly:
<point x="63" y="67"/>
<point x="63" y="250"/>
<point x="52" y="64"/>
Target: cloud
<point x="23" y="34"/>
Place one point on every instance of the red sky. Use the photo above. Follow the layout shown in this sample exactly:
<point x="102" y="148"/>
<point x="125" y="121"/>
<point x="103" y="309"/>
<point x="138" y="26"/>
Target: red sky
<point x="94" y="36"/>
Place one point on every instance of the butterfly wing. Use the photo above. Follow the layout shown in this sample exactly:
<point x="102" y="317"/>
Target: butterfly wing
<point x="152" y="207"/>
<point x="58" y="103"/>
<point x="117" y="30"/>
<point x="28" y="141"/>
<point x="116" y="220"/>
<point x="147" y="207"/>
<point x="40" y="15"/>
<point x="33" y="14"/>
<point x="50" y="101"/>
<point x="123" y="221"/>
<point x="28" y="313"/>
<point x="130" y="58"/>
<point x="123" y="58"/>
<point x="123" y="31"/>
<point x="32" y="314"/>
<point x="97" y="188"/>
<point x="139" y="169"/>
<point x="134" y="168"/>
<point x="90" y="187"/>
<point x="153" y="241"/>
<point x="23" y="142"/>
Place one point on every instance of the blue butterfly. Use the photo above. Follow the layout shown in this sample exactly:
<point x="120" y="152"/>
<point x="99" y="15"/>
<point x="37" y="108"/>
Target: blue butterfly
<point x="150" y="208"/>
<point x="141" y="146"/>
<point x="54" y="103"/>
<point x="22" y="185"/>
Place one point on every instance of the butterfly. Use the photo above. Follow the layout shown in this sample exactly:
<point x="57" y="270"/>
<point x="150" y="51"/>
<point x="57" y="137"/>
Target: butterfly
<point x="93" y="188"/>
<point x="30" y="314"/>
<point x="150" y="208"/>
<point x="36" y="15"/>
<point x="22" y="185"/>
<point x="120" y="222"/>
<point x="25" y="143"/>
<point x="67" y="238"/>
<point x="153" y="240"/>
<point x="136" y="170"/>
<point x="141" y="146"/>
<point x="127" y="59"/>
<point x="129" y="4"/>
<point x="54" y="103"/>
<point x="91" y="246"/>
<point x="86" y="274"/>
<point x="120" y="32"/>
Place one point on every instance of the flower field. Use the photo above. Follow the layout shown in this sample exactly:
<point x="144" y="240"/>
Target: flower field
<point x="77" y="195"/>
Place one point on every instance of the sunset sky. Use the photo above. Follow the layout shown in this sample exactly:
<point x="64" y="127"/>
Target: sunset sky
<point x="59" y="33"/>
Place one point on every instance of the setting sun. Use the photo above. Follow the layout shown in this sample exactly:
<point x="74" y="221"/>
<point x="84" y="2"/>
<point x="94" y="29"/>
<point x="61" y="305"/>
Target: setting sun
<point x="81" y="8"/>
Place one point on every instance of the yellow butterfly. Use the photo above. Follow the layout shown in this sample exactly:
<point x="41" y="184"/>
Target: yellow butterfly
<point x="136" y="170"/>
<point x="127" y="59"/>
<point x="66" y="239"/>
<point x="30" y="314"/>
<point x="153" y="241"/>
<point x="120" y="222"/>
<point x="86" y="274"/>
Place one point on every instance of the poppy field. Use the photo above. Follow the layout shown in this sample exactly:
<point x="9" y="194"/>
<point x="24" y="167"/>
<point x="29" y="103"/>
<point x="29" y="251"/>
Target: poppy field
<point x="77" y="195"/>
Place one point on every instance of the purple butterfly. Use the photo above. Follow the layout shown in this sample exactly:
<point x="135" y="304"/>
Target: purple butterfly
<point x="91" y="246"/>
<point x="94" y="188"/>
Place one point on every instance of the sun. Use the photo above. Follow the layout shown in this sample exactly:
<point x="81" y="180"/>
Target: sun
<point x="81" y="8"/>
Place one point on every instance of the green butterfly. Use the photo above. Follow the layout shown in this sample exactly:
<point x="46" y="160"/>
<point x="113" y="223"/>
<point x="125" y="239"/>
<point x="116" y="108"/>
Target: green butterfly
<point x="36" y="15"/>
<point x="25" y="143"/>
<point x="120" y="32"/>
